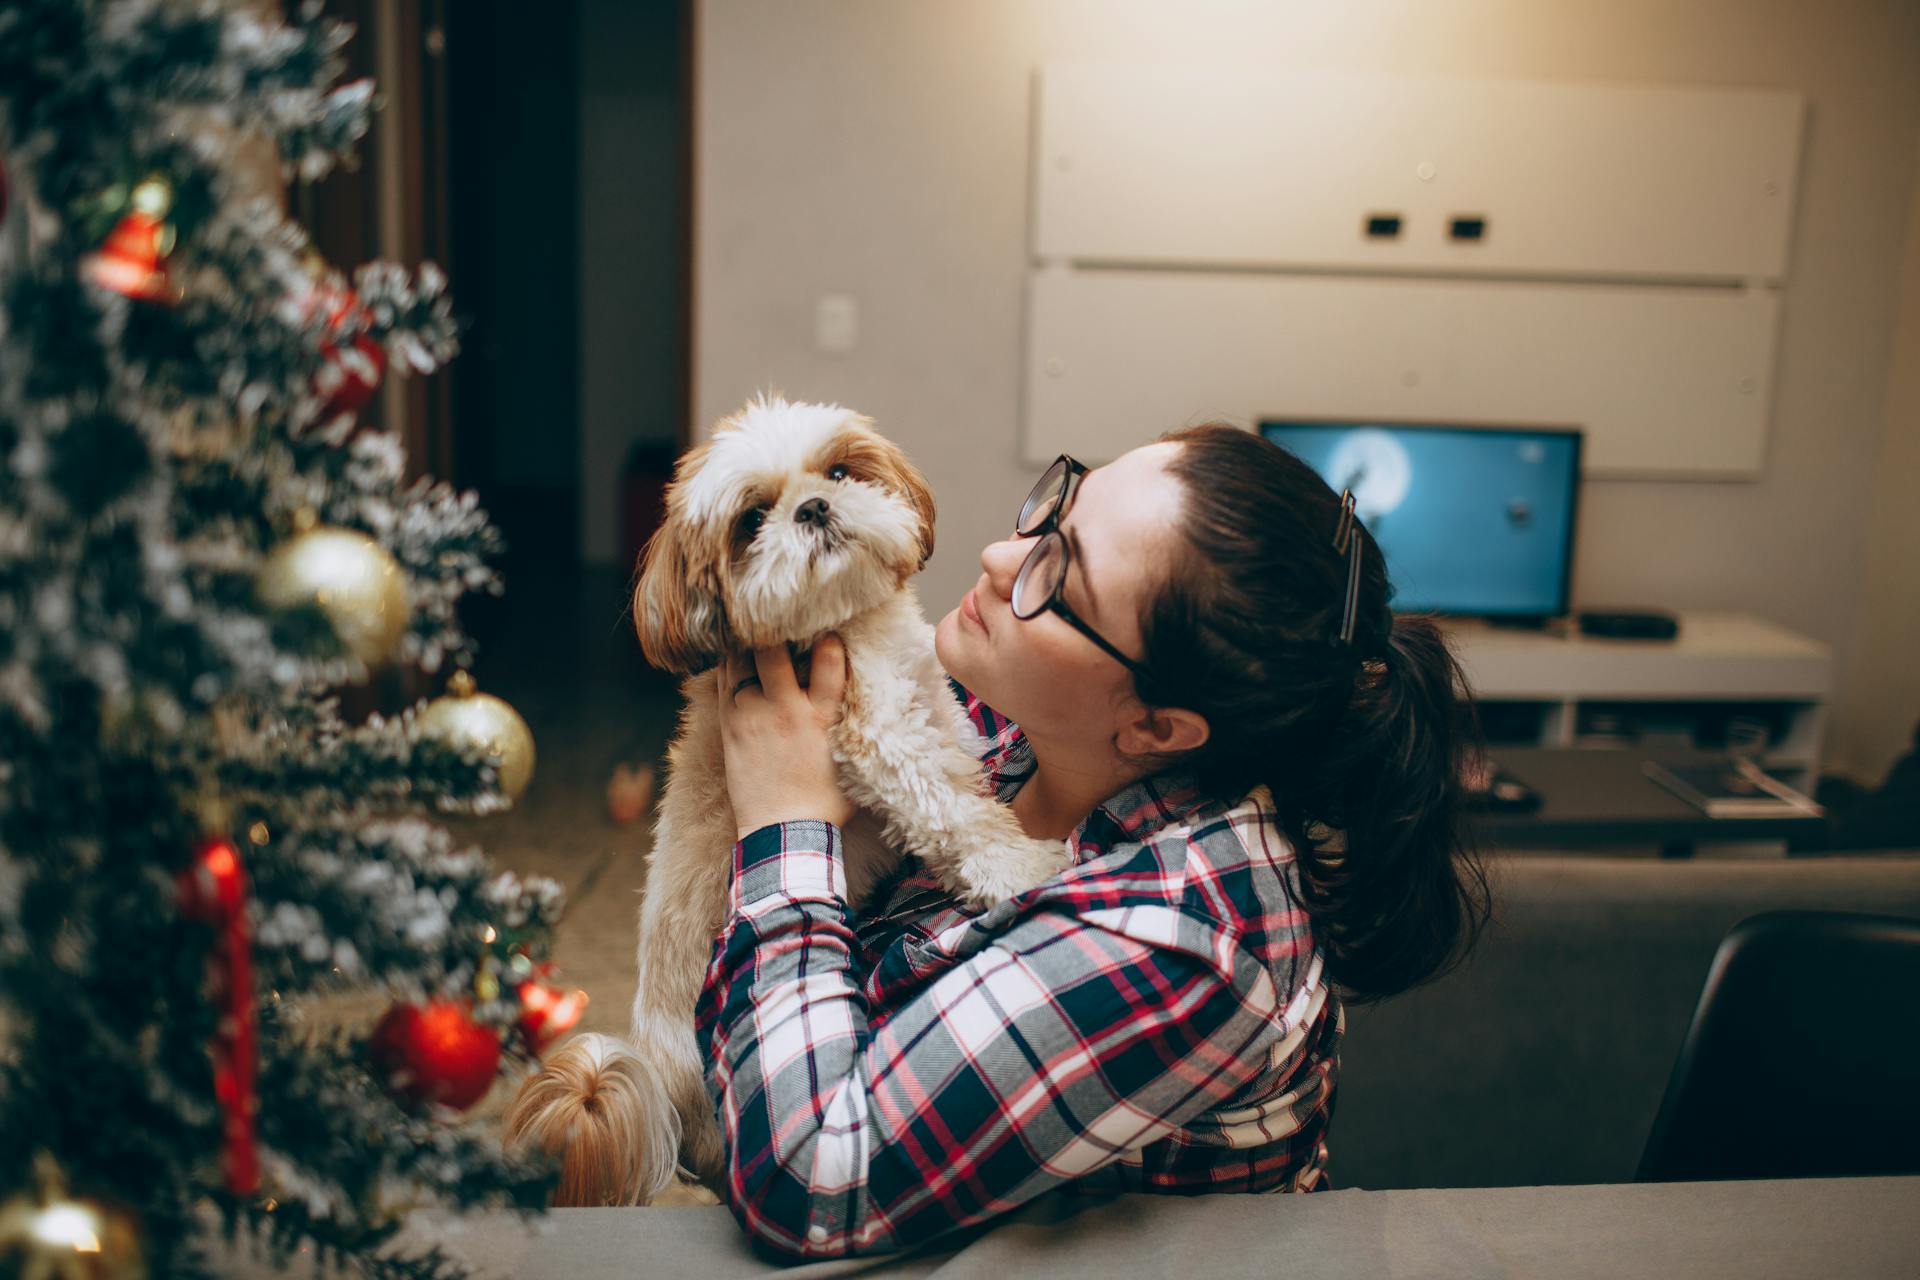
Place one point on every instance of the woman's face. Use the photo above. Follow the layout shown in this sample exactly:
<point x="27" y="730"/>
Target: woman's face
<point x="1042" y="673"/>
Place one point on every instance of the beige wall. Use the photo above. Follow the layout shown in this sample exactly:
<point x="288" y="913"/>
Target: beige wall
<point x="1881" y="700"/>
<point x="880" y="147"/>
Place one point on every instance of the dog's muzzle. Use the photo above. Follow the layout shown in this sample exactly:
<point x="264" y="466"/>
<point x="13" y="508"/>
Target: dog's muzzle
<point x="816" y="515"/>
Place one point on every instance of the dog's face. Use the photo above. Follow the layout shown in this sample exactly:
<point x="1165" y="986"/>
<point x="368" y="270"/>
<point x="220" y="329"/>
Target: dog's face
<point x="792" y="519"/>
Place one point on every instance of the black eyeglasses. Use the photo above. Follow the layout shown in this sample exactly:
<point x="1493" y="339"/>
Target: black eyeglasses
<point x="1041" y="583"/>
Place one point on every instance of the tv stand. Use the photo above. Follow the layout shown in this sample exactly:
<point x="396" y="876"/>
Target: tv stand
<point x="1558" y="687"/>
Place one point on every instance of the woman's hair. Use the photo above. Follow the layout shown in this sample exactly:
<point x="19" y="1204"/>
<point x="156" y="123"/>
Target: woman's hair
<point x="1362" y="746"/>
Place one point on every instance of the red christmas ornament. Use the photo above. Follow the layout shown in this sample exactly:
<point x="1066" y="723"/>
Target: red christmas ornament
<point x="350" y="378"/>
<point x="213" y="890"/>
<point x="547" y="1013"/>
<point x="434" y="1054"/>
<point x="133" y="259"/>
<point x="130" y="261"/>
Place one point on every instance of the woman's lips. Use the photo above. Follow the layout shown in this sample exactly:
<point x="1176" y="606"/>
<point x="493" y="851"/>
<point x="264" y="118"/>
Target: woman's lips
<point x="970" y="610"/>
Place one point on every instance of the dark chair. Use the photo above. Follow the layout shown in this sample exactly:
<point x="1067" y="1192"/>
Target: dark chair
<point x="1803" y="1060"/>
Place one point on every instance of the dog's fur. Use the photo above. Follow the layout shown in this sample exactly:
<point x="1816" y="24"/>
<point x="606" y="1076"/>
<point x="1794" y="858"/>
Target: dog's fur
<point x="734" y="568"/>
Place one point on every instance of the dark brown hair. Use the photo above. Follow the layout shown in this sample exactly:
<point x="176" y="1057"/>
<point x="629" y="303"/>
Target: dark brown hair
<point x="1363" y="746"/>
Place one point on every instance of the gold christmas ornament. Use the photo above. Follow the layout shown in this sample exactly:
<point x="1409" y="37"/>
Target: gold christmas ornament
<point x="466" y="717"/>
<point x="53" y="1236"/>
<point x="351" y="579"/>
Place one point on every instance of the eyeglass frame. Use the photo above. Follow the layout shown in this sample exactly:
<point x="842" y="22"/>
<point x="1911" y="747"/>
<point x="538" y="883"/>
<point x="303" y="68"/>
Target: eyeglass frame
<point x="1049" y="527"/>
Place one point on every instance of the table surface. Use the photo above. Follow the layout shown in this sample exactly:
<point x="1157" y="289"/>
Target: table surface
<point x="1855" y="1227"/>
<point x="1599" y="796"/>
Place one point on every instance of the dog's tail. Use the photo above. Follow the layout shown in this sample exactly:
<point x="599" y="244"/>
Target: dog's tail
<point x="602" y="1109"/>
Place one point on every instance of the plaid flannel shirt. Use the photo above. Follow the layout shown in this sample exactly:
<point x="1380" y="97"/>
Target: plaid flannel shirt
<point x="1155" y="1018"/>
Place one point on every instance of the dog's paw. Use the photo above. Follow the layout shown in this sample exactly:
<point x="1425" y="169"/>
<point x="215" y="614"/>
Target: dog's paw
<point x="989" y="879"/>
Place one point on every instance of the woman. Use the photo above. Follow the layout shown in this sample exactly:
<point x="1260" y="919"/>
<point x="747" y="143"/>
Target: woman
<point x="1184" y="664"/>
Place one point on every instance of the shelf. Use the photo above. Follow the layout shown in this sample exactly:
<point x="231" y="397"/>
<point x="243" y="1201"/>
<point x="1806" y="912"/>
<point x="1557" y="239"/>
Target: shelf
<point x="1558" y="688"/>
<point x="1716" y="656"/>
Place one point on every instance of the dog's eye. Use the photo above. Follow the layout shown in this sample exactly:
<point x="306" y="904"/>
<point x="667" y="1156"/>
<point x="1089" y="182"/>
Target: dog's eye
<point x="751" y="521"/>
<point x="838" y="471"/>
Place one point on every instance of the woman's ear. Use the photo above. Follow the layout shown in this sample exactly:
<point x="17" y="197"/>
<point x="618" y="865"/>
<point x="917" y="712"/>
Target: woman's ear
<point x="677" y="609"/>
<point x="1164" y="731"/>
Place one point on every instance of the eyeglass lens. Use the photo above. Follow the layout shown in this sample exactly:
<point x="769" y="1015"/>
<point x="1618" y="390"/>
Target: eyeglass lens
<point x="1045" y="497"/>
<point x="1039" y="577"/>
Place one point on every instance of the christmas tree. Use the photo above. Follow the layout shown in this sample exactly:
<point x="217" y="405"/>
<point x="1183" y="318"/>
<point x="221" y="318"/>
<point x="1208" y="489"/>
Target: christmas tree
<point x="201" y="858"/>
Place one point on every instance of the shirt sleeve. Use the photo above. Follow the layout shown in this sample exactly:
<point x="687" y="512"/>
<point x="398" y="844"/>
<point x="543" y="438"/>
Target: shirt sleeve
<point x="1061" y="1046"/>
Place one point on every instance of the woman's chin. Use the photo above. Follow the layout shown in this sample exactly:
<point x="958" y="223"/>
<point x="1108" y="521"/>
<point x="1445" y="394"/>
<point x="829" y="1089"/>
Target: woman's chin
<point x="948" y="646"/>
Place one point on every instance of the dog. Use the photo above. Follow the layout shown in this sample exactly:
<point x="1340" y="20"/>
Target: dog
<point x="792" y="521"/>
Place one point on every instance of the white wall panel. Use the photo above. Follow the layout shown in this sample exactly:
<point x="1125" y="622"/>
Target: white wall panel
<point x="1665" y="381"/>
<point x="1241" y="166"/>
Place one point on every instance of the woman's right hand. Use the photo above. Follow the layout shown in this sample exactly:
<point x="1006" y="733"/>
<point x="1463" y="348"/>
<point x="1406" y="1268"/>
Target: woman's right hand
<point x="775" y="736"/>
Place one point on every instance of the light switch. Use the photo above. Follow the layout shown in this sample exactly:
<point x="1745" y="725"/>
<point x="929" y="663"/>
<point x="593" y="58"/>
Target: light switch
<point x="836" y="324"/>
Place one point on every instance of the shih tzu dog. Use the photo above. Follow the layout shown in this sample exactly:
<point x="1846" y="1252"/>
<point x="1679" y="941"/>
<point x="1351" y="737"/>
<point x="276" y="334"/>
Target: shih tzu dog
<point x="793" y="521"/>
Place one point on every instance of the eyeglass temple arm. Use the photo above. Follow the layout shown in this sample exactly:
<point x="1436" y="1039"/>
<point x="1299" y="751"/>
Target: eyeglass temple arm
<point x="1064" y="610"/>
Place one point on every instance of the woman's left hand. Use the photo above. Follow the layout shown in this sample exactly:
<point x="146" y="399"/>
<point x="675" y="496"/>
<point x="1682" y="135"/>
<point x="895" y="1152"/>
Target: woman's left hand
<point x="774" y="732"/>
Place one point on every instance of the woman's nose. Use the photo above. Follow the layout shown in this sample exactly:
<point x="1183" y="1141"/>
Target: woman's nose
<point x="1002" y="561"/>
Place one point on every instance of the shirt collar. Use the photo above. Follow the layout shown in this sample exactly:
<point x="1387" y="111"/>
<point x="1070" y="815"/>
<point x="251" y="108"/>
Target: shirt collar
<point x="1140" y="809"/>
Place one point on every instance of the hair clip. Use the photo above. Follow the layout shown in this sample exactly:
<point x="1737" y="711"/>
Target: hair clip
<point x="1346" y="538"/>
<point x="1343" y="527"/>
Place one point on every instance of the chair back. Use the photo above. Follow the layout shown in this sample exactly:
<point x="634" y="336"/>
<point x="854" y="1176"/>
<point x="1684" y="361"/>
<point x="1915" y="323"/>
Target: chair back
<point x="1803" y="1059"/>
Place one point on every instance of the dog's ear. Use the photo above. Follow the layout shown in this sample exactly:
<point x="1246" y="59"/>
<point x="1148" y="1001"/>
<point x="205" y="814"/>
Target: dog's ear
<point x="920" y="494"/>
<point x="677" y="608"/>
<point x="899" y="474"/>
<point x="676" y="605"/>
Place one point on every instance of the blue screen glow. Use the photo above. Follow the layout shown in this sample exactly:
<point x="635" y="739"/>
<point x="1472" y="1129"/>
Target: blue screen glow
<point x="1473" y="520"/>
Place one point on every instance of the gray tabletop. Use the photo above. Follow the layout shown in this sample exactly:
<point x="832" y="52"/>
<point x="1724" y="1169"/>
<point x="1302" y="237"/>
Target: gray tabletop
<point x="1855" y="1227"/>
<point x="1594" y="797"/>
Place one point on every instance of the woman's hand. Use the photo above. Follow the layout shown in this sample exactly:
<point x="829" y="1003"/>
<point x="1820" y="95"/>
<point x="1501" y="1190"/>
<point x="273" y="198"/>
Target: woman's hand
<point x="779" y="763"/>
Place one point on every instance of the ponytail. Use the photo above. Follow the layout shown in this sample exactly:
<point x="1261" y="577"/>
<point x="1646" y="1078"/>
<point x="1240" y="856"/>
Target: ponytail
<point x="1403" y="894"/>
<point x="1362" y="746"/>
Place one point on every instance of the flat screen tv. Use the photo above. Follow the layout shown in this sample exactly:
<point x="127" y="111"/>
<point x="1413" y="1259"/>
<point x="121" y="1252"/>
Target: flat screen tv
<point x="1472" y="520"/>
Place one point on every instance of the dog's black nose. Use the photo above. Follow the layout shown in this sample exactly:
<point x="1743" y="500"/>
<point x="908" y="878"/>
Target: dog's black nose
<point x="812" y="511"/>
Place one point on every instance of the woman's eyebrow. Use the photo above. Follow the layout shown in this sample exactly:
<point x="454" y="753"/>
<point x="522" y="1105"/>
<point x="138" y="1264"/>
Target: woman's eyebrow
<point x="1080" y="558"/>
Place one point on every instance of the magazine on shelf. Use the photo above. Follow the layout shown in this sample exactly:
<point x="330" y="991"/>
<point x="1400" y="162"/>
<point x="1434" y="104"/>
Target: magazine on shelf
<point x="1732" y="789"/>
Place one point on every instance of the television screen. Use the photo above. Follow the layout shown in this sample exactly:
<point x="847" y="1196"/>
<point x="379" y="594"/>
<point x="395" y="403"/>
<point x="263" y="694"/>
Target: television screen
<point x="1472" y="520"/>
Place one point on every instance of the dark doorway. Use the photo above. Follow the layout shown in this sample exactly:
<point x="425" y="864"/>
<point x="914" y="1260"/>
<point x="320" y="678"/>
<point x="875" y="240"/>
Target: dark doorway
<point x="568" y="193"/>
<point x="513" y="199"/>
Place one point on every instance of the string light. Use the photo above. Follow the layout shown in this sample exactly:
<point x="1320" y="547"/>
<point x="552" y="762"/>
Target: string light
<point x="68" y="1226"/>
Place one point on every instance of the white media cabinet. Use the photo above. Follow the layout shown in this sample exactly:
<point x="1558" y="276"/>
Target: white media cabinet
<point x="1560" y="688"/>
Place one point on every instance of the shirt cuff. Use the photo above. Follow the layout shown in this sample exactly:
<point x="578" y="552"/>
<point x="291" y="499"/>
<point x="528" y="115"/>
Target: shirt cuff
<point x="788" y="861"/>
